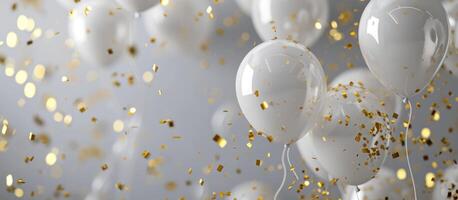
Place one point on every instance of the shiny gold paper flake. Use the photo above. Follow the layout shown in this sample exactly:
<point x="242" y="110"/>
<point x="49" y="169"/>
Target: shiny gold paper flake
<point x="264" y="105"/>
<point x="118" y="126"/>
<point x="430" y="179"/>
<point x="146" y="154"/>
<point x="220" y="141"/>
<point x="169" y="122"/>
<point x="220" y="168"/>
<point x="401" y="174"/>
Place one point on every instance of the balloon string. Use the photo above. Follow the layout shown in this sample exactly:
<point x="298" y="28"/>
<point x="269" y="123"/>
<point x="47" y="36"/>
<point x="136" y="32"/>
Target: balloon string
<point x="406" y="100"/>
<point x="356" y="192"/>
<point x="291" y="167"/>
<point x="284" y="171"/>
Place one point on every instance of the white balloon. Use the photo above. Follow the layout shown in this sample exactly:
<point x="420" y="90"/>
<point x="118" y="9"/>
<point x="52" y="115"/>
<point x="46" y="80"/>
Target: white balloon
<point x="404" y="42"/>
<point x="304" y="145"/>
<point x="300" y="20"/>
<point x="385" y="185"/>
<point x="178" y="24"/>
<point x="352" y="138"/>
<point x="137" y="5"/>
<point x="100" y="31"/>
<point x="224" y="117"/>
<point x="280" y="88"/>
<point x="245" y="6"/>
<point x="451" y="61"/>
<point x="447" y="186"/>
<point x="392" y="102"/>
<point x="251" y="191"/>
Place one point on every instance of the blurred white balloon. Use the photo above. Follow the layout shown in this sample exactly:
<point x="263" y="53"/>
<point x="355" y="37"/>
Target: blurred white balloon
<point x="385" y="185"/>
<point x="280" y="88"/>
<point x="179" y="24"/>
<point x="252" y="190"/>
<point x="447" y="186"/>
<point x="224" y="117"/>
<point x="392" y="102"/>
<point x="451" y="61"/>
<point x="100" y="31"/>
<point x="352" y="137"/>
<point x="245" y="6"/>
<point x="137" y="5"/>
<point x="300" y="20"/>
<point x="404" y="42"/>
<point x="310" y="157"/>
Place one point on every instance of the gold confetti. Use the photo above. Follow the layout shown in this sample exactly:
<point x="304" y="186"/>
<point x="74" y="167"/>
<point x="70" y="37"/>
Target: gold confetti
<point x="9" y="180"/>
<point x="264" y="105"/>
<point x="401" y="174"/>
<point x="51" y="158"/>
<point x="11" y="39"/>
<point x="118" y="126"/>
<point x="29" y="90"/>
<point x="425" y="133"/>
<point x="51" y="104"/>
<point x="220" y="141"/>
<point x="430" y="180"/>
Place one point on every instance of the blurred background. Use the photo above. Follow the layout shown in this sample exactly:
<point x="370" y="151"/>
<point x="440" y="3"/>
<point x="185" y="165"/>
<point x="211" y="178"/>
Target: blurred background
<point x="144" y="127"/>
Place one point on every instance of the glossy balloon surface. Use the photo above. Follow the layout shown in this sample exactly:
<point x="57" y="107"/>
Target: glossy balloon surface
<point x="305" y="147"/>
<point x="352" y="139"/>
<point x="385" y="185"/>
<point x="179" y="24"/>
<point x="290" y="19"/>
<point x="404" y="42"/>
<point x="280" y="88"/>
<point x="446" y="187"/>
<point x="251" y="191"/>
<point x="363" y="78"/>
<point x="245" y="5"/>
<point x="137" y="5"/>
<point x="451" y="61"/>
<point x="100" y="31"/>
<point x="224" y="118"/>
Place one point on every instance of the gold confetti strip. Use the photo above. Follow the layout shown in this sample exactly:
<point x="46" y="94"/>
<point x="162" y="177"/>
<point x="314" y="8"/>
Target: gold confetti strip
<point x="264" y="105"/>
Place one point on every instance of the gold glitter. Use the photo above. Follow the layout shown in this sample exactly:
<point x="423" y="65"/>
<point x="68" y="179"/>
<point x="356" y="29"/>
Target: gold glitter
<point x="219" y="168"/>
<point x="3" y="145"/>
<point x="51" y="158"/>
<point x="220" y="141"/>
<point x="318" y="25"/>
<point x="18" y="192"/>
<point x="164" y="2"/>
<point x="118" y="126"/>
<point x="430" y="180"/>
<point x="258" y="163"/>
<point x="11" y="39"/>
<point x="39" y="71"/>
<point x="264" y="105"/>
<point x="201" y="181"/>
<point x="32" y="136"/>
<point x="68" y="119"/>
<point x="148" y="77"/>
<point x="21" y="77"/>
<point x="104" y="167"/>
<point x="146" y="154"/>
<point x="58" y="117"/>
<point x="401" y="174"/>
<point x="210" y="12"/>
<point x="29" y="90"/>
<point x="9" y="69"/>
<point x="436" y="115"/>
<point x="9" y="180"/>
<point x="169" y="122"/>
<point x="132" y="111"/>
<point x="425" y="133"/>
<point x="51" y="104"/>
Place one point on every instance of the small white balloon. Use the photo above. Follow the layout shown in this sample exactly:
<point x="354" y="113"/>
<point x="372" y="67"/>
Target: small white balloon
<point x="252" y="190"/>
<point x="137" y="5"/>
<point x="179" y="24"/>
<point x="385" y="185"/>
<point x="303" y="21"/>
<point x="100" y="31"/>
<point x="304" y="145"/>
<point x="280" y="87"/>
<point x="245" y="6"/>
<point x="364" y="78"/>
<point x="352" y="139"/>
<point x="224" y="118"/>
<point x="404" y="42"/>
<point x="447" y="186"/>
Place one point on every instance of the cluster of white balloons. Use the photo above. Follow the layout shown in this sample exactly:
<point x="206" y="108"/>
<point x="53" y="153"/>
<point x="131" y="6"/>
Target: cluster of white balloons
<point x="102" y="30"/>
<point x="346" y="130"/>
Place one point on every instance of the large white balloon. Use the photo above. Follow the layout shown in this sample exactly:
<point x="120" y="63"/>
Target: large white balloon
<point x="447" y="186"/>
<point x="100" y="31"/>
<point x="224" y="118"/>
<point x="245" y="5"/>
<point x="300" y="20"/>
<point x="280" y="87"/>
<point x="309" y="156"/>
<point x="179" y="24"/>
<point x="384" y="186"/>
<point x="137" y="5"/>
<point x="404" y="42"/>
<point x="451" y="61"/>
<point x="251" y="191"/>
<point x="364" y="78"/>
<point x="352" y="138"/>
